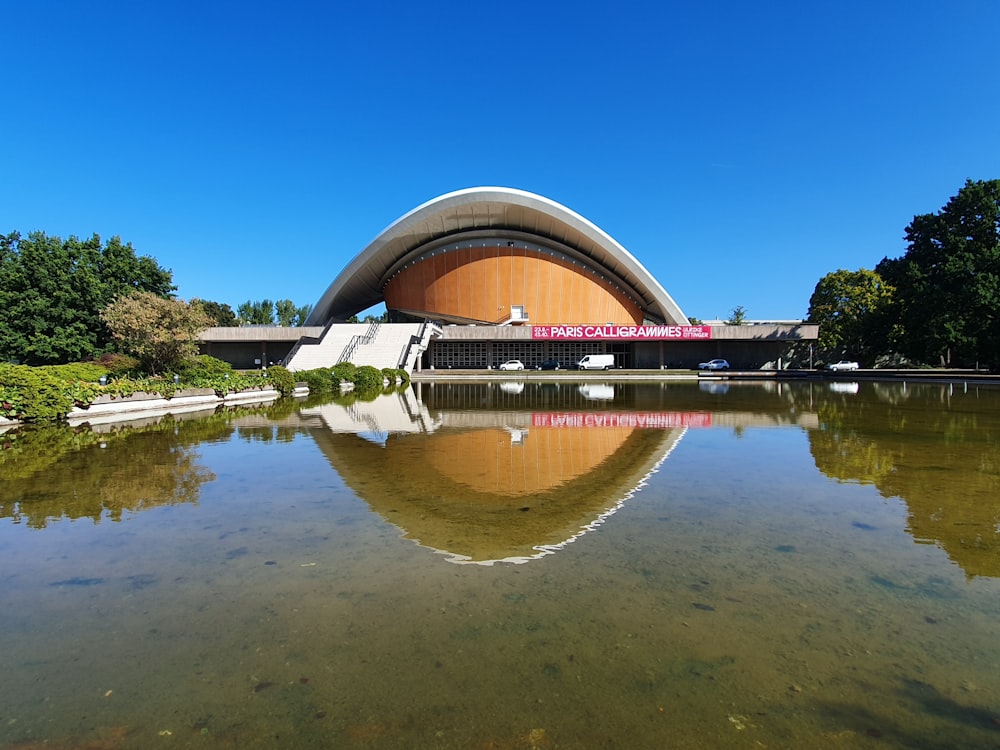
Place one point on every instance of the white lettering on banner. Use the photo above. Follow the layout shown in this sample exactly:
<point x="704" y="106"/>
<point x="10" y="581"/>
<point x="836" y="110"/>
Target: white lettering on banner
<point x="636" y="420"/>
<point x="621" y="333"/>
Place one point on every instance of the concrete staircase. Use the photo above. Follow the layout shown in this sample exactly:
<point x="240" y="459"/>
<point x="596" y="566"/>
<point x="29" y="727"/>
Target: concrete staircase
<point x="387" y="346"/>
<point x="377" y="344"/>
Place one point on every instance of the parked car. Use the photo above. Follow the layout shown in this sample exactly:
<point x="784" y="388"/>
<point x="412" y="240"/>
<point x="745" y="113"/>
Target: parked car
<point x="512" y="364"/>
<point x="843" y="366"/>
<point x="714" y="364"/>
<point x="550" y="364"/>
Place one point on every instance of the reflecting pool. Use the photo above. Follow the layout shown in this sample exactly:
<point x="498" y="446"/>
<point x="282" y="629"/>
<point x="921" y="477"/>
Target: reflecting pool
<point x="512" y="565"/>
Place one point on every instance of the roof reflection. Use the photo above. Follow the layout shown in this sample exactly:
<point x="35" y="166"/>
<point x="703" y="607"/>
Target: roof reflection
<point x="484" y="486"/>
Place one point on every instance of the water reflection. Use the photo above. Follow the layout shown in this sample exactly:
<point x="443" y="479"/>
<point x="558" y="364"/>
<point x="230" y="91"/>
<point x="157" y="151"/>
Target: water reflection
<point x="107" y="470"/>
<point x="741" y="598"/>
<point x="59" y="471"/>
<point x="486" y="486"/>
<point x="513" y="473"/>
<point x="845" y="387"/>
<point x="937" y="449"/>
<point x="597" y="391"/>
<point x="463" y="490"/>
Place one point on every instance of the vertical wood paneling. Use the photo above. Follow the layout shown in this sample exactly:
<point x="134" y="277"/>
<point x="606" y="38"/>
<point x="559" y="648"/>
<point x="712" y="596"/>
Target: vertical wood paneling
<point x="474" y="283"/>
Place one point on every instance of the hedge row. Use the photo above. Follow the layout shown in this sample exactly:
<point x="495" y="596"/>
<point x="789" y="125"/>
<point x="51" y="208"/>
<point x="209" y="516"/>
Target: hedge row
<point x="48" y="393"/>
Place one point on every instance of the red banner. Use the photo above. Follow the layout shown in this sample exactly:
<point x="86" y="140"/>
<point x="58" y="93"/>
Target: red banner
<point x="656" y="420"/>
<point x="620" y="333"/>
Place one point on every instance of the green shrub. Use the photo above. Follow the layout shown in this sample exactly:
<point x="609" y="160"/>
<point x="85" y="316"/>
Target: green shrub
<point x="88" y="372"/>
<point x="202" y="366"/>
<point x="119" y="364"/>
<point x="82" y="393"/>
<point x="319" y="381"/>
<point x="389" y="374"/>
<point x="404" y="376"/>
<point x="368" y="378"/>
<point x="343" y="371"/>
<point x="281" y="379"/>
<point x="31" y="394"/>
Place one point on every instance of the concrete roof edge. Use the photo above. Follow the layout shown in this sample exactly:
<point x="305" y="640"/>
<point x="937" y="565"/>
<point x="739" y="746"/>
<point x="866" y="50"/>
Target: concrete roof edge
<point x="466" y="196"/>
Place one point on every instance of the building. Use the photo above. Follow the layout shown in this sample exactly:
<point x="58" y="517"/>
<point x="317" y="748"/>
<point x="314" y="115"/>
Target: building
<point x="479" y="276"/>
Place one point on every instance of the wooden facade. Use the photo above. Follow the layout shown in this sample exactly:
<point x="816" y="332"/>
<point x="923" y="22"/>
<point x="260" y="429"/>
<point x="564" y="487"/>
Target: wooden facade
<point x="487" y="284"/>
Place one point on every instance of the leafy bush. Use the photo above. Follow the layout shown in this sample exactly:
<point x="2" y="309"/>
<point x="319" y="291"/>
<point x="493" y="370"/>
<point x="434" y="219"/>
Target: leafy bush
<point x="390" y="374"/>
<point x="202" y="366"/>
<point x="343" y="371"/>
<point x="119" y="363"/>
<point x="160" y="332"/>
<point x="368" y="378"/>
<point x="81" y="392"/>
<point x="35" y="394"/>
<point x="319" y="381"/>
<point x="88" y="372"/>
<point x="31" y="394"/>
<point x="281" y="379"/>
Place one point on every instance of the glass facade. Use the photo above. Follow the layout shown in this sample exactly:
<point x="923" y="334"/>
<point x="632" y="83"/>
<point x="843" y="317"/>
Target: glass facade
<point x="482" y="355"/>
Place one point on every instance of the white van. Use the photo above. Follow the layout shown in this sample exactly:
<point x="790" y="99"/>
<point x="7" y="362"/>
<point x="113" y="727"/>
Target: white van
<point x="596" y="362"/>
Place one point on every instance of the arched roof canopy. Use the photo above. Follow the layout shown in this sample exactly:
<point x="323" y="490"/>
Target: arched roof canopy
<point x="488" y="209"/>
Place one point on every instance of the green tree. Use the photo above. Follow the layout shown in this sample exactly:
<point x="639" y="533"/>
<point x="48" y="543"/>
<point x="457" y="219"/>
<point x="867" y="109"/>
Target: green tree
<point x="159" y="332"/>
<point x="219" y="313"/>
<point x="285" y="311"/>
<point x="948" y="281"/>
<point x="52" y="293"/>
<point x="252" y="313"/>
<point x="303" y="313"/>
<point x="851" y="309"/>
<point x="737" y="316"/>
<point x="289" y="315"/>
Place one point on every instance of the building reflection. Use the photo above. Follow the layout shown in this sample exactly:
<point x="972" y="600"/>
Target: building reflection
<point x="480" y="472"/>
<point x="513" y="473"/>
<point x="486" y="485"/>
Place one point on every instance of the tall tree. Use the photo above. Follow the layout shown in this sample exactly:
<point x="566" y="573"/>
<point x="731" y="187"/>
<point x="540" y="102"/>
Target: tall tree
<point x="737" y="316"/>
<point x="851" y="308"/>
<point x="252" y="313"/>
<point x="948" y="281"/>
<point x="265" y="313"/>
<point x="52" y="293"/>
<point x="302" y="314"/>
<point x="286" y="312"/>
<point x="160" y="332"/>
<point x="219" y="313"/>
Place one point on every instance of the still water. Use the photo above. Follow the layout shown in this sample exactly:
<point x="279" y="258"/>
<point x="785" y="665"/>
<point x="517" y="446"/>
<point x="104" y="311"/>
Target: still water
<point x="512" y="566"/>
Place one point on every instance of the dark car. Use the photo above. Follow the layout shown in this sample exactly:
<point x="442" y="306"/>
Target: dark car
<point x="550" y="364"/>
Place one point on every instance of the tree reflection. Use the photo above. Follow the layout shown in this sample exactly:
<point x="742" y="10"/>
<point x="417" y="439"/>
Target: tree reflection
<point x="935" y="446"/>
<point x="60" y="471"/>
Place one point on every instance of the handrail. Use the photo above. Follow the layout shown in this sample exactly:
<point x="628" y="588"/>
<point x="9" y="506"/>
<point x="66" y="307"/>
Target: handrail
<point x="362" y="340"/>
<point x="306" y="340"/>
<point x="506" y="320"/>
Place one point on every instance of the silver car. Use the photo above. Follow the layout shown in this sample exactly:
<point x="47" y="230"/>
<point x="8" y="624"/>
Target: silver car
<point x="843" y="366"/>
<point x="714" y="364"/>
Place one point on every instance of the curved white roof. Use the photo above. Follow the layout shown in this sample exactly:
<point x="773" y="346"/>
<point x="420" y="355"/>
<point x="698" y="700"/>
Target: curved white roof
<point x="492" y="209"/>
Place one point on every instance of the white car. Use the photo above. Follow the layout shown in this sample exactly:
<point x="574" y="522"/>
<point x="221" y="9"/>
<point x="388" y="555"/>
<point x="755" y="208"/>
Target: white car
<point x="714" y="364"/>
<point x="512" y="364"/>
<point x="843" y="366"/>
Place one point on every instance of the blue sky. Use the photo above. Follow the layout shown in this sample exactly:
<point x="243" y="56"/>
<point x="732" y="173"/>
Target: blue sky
<point x="739" y="150"/>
